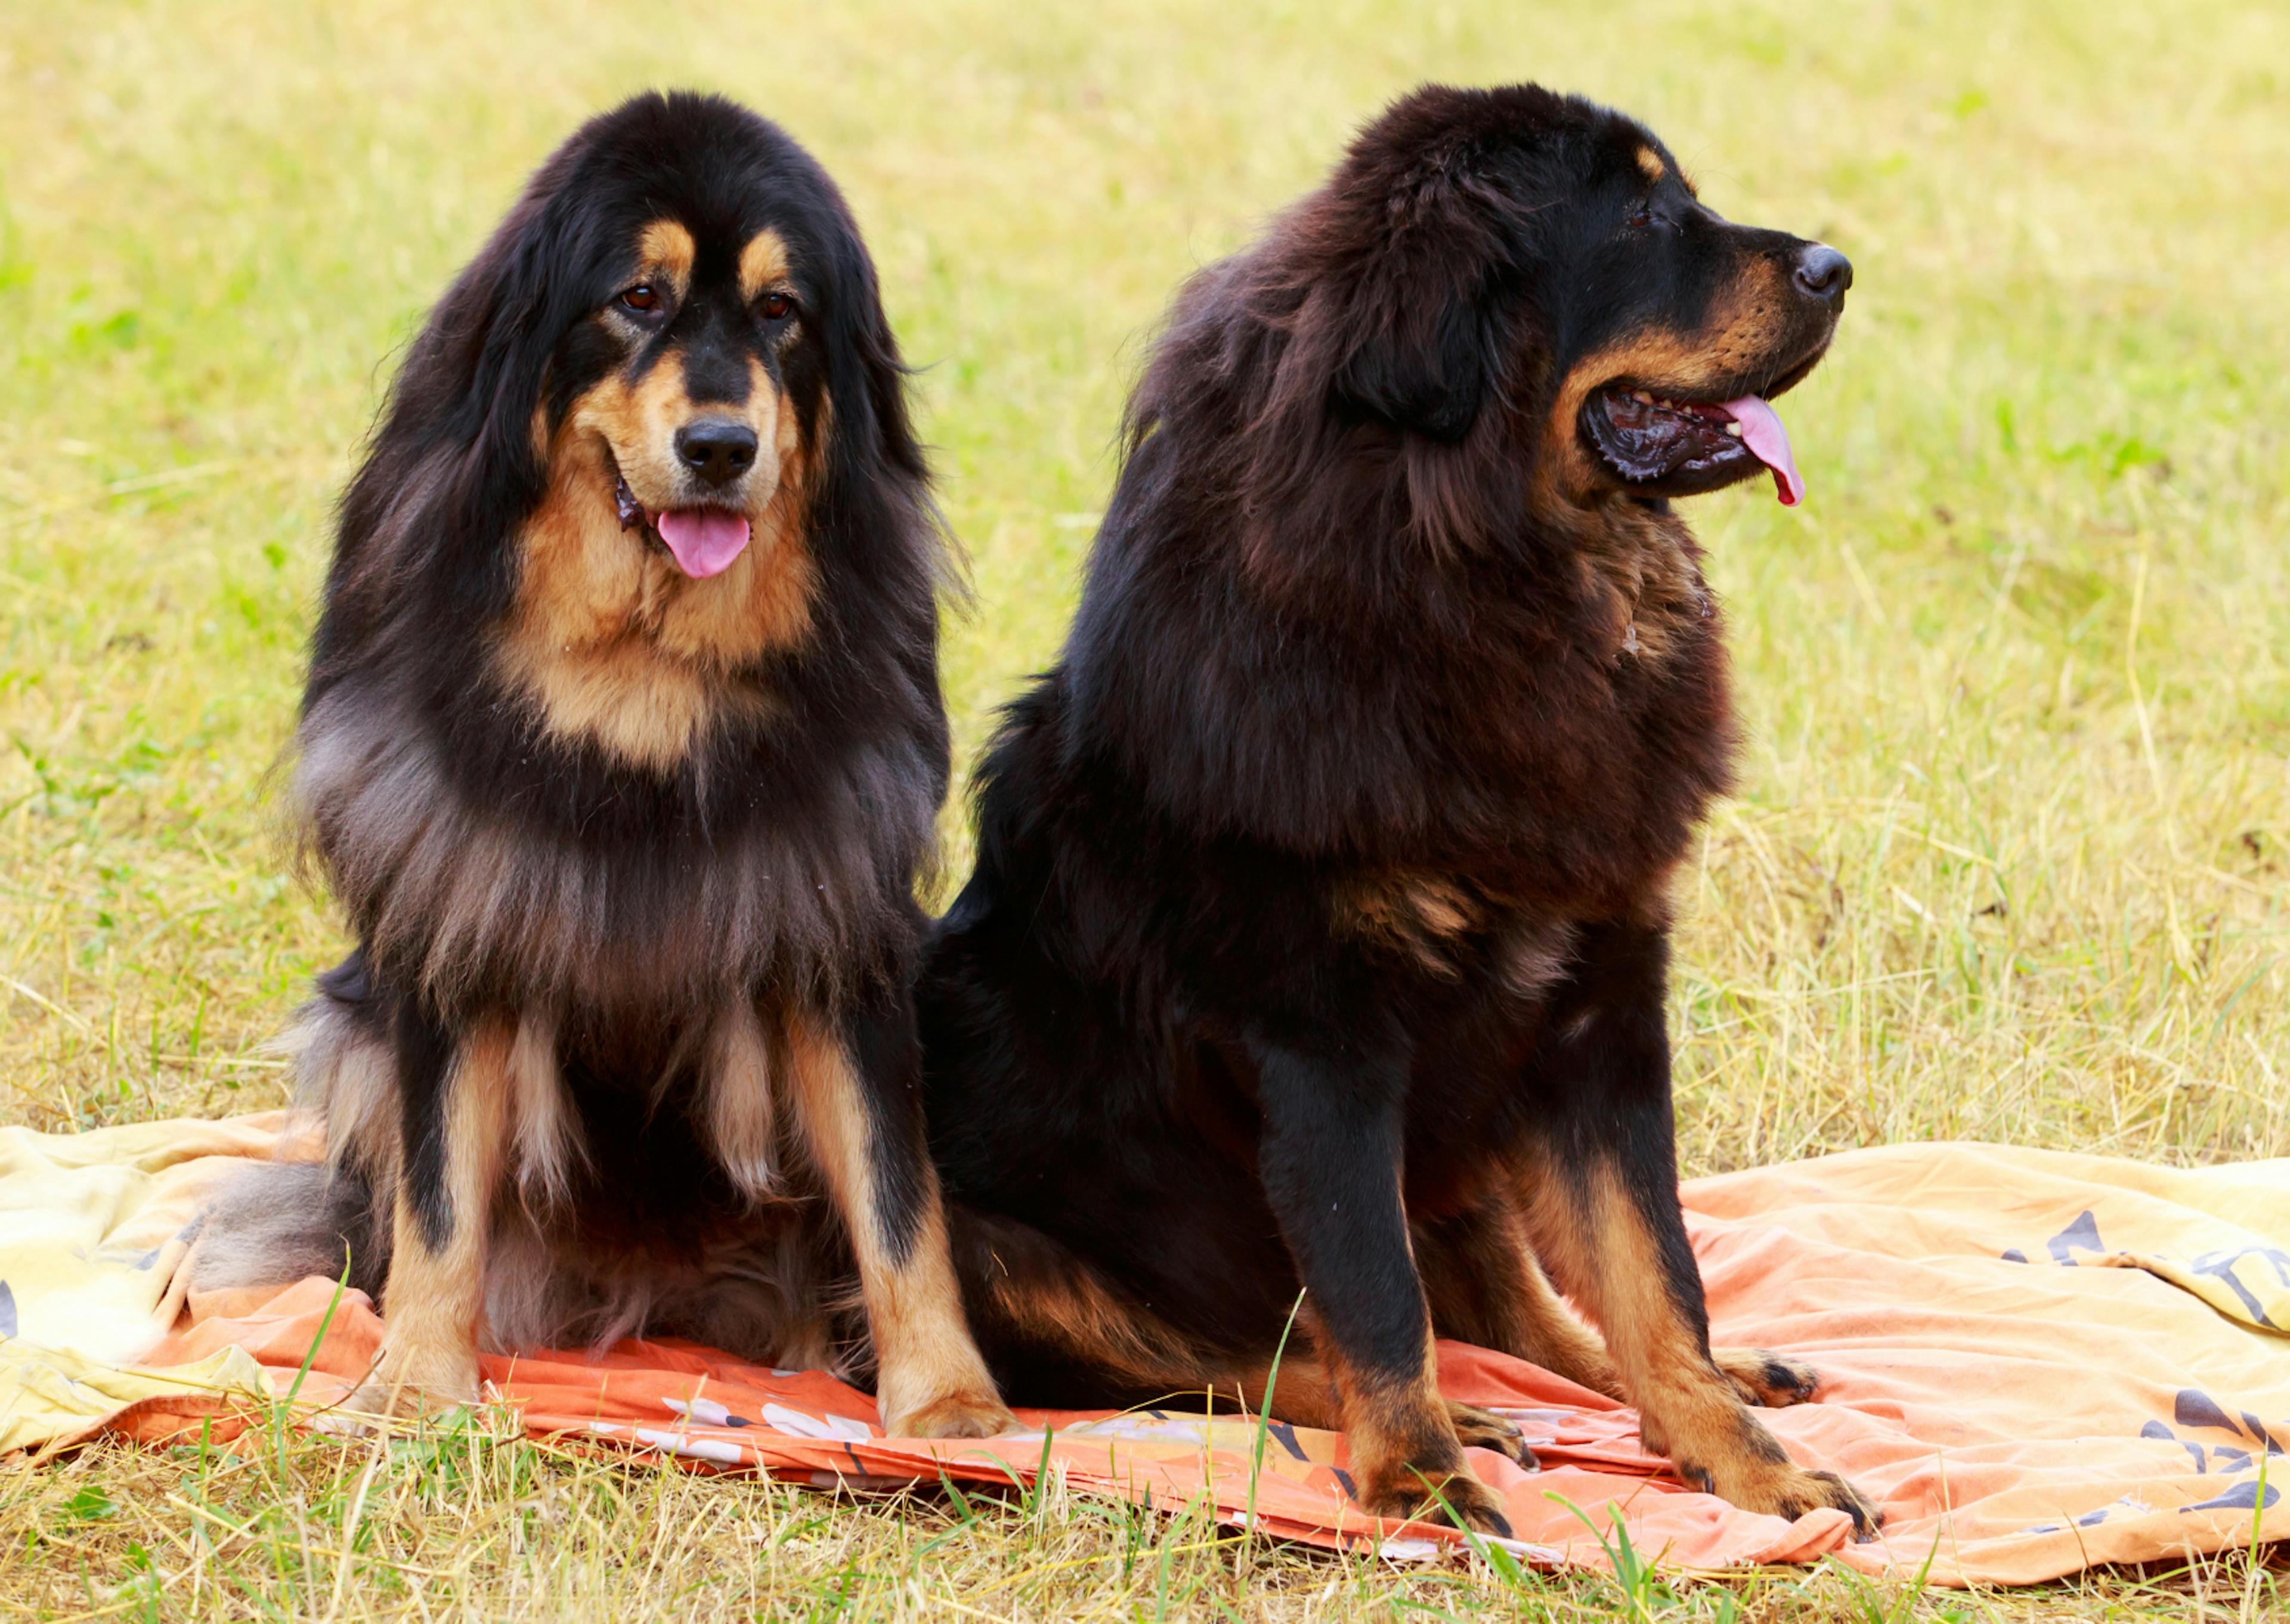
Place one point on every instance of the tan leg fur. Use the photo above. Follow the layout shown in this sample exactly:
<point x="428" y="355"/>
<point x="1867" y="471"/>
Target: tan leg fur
<point x="435" y="1297"/>
<point x="932" y="1382"/>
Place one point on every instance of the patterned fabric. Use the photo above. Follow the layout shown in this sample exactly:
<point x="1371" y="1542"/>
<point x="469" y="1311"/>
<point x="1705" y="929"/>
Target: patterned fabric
<point x="2035" y="1362"/>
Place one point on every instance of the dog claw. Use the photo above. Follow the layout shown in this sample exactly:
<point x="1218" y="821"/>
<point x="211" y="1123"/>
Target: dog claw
<point x="1480" y="1428"/>
<point x="417" y="1380"/>
<point x="1458" y="1502"/>
<point x="1768" y="1380"/>
<point x="1867" y="1516"/>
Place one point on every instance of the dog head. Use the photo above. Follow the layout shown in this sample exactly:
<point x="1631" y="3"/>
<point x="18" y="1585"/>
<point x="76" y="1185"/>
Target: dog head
<point x="1675" y="329"/>
<point x="649" y="441"/>
<point x="1552" y="252"/>
<point x="1505" y="305"/>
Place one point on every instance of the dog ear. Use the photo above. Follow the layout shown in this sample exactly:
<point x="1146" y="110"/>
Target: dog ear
<point x="520" y="302"/>
<point x="1425" y="358"/>
<point x="452" y="469"/>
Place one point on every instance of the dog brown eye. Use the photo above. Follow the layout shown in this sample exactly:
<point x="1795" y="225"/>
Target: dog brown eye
<point x="775" y="307"/>
<point x="642" y="296"/>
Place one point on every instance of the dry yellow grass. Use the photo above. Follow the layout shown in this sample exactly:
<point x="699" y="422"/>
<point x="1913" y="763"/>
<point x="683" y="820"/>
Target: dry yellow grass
<point x="2013" y="849"/>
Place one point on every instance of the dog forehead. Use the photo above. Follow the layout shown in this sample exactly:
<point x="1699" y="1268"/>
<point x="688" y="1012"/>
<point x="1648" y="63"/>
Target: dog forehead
<point x="666" y="245"/>
<point x="749" y="258"/>
<point x="764" y="261"/>
<point x="1622" y="149"/>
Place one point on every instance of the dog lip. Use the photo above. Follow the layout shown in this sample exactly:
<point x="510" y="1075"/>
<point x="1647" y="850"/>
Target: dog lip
<point x="631" y="511"/>
<point x="692" y="534"/>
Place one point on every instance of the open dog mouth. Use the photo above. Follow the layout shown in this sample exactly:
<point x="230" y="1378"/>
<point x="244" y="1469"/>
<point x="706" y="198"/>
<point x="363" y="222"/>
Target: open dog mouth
<point x="1682" y="447"/>
<point x="702" y="540"/>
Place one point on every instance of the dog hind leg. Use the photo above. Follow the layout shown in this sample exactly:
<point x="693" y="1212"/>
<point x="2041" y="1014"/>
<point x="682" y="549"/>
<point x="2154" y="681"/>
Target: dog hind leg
<point x="1636" y="1275"/>
<point x="1029" y="1295"/>
<point x="1486" y="1287"/>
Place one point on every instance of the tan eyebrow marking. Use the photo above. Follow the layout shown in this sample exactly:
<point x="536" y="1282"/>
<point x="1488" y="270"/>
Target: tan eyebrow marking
<point x="1650" y="163"/>
<point x="666" y="249"/>
<point x="762" y="261"/>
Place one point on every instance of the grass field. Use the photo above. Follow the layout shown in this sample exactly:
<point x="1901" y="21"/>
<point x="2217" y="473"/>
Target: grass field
<point x="2012" y="854"/>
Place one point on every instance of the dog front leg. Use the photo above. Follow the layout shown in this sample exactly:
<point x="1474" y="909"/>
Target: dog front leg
<point x="859" y="1095"/>
<point x="454" y="1104"/>
<point x="1603" y="1210"/>
<point x="1330" y="1161"/>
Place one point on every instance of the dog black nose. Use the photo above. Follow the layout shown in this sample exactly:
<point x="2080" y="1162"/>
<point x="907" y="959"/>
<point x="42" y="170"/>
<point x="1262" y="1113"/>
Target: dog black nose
<point x="1823" y="273"/>
<point x="717" y="449"/>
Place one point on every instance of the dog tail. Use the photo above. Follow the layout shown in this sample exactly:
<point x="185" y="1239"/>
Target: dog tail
<point x="277" y="1222"/>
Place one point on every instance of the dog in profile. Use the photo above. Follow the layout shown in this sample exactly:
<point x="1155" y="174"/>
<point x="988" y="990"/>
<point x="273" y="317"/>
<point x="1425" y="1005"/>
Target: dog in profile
<point x="1316" y="946"/>
<point x="621" y="749"/>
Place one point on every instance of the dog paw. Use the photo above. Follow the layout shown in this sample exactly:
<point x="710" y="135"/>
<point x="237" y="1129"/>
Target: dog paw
<point x="417" y="1382"/>
<point x="1480" y="1428"/>
<point x="1767" y="1379"/>
<point x="1791" y="1490"/>
<point x="1868" y="1516"/>
<point x="1458" y="1500"/>
<point x="404" y="1402"/>
<point x="952" y="1415"/>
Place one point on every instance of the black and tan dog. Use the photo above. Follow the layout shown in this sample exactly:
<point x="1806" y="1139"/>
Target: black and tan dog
<point x="1318" y="933"/>
<point x="622" y="746"/>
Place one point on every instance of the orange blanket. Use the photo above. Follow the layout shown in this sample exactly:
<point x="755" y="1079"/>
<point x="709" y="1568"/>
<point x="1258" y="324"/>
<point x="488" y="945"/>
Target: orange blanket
<point x="2037" y="1362"/>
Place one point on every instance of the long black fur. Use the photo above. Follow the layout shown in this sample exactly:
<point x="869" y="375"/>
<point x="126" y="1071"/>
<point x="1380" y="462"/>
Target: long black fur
<point x="1348" y="629"/>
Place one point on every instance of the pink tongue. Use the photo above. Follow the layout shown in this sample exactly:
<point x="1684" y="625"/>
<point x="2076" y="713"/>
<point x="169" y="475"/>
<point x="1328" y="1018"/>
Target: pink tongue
<point x="706" y="540"/>
<point x="1768" y="441"/>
